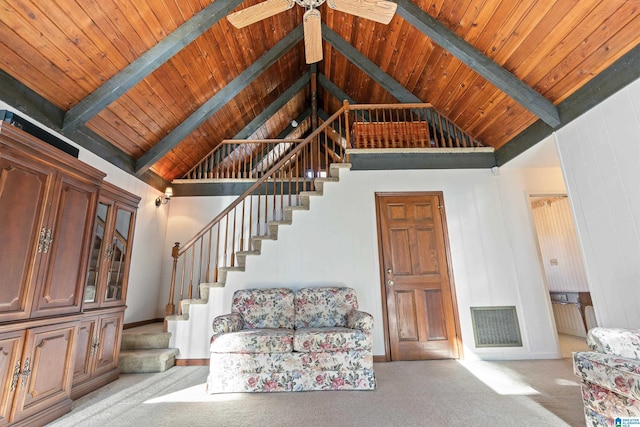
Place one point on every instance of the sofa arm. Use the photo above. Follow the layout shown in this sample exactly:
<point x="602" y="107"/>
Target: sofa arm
<point x="226" y="323"/>
<point x="360" y="320"/>
<point x="615" y="341"/>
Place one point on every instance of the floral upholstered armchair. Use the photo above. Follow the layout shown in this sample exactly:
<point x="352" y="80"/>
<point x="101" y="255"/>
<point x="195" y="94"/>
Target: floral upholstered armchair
<point x="610" y="375"/>
<point x="284" y="340"/>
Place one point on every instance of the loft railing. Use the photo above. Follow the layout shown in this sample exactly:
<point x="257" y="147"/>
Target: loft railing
<point x="404" y="126"/>
<point x="238" y="159"/>
<point x="283" y="170"/>
<point x="370" y="126"/>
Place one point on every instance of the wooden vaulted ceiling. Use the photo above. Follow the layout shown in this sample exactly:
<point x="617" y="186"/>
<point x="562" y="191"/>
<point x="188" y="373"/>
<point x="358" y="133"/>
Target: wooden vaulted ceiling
<point x="153" y="86"/>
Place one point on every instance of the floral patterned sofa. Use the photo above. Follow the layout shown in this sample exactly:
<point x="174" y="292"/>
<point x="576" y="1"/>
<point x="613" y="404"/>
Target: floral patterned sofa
<point x="610" y="375"/>
<point x="284" y="340"/>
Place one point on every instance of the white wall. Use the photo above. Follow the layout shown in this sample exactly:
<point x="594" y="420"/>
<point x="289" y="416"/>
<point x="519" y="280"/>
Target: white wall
<point x="149" y="238"/>
<point x="600" y="155"/>
<point x="491" y="235"/>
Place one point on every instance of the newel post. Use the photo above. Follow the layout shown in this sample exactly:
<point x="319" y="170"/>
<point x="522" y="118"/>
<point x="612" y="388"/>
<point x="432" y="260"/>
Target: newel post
<point x="345" y="106"/>
<point x="171" y="307"/>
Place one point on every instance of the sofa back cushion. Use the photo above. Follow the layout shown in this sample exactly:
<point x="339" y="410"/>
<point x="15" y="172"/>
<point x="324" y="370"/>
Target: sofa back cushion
<point x="264" y="308"/>
<point x="324" y="307"/>
<point x="615" y="341"/>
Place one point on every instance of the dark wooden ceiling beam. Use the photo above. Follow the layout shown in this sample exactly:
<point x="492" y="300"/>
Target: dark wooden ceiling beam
<point x="387" y="82"/>
<point x="38" y="109"/>
<point x="334" y="90"/>
<point x="218" y="101"/>
<point x="618" y="75"/>
<point x="273" y="108"/>
<point x="148" y="62"/>
<point x="480" y="63"/>
<point x="289" y="129"/>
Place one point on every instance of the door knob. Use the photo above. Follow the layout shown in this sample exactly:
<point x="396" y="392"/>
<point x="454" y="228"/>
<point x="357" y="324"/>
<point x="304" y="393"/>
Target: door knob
<point x="390" y="282"/>
<point x="389" y="271"/>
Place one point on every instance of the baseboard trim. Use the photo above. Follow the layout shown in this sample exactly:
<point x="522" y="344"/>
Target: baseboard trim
<point x="380" y="359"/>
<point x="141" y="323"/>
<point x="192" y="362"/>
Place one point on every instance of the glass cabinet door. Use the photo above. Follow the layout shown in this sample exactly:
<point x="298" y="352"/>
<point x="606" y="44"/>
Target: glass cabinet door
<point x="118" y="254"/>
<point x="98" y="253"/>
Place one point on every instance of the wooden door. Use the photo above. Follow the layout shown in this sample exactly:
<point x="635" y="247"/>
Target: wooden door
<point x="23" y="198"/>
<point x="62" y="278"/>
<point x="47" y="369"/>
<point x="420" y="312"/>
<point x="11" y="344"/>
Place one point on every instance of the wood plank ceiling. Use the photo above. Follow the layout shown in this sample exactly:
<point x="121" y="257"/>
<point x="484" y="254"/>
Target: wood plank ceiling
<point x="153" y="86"/>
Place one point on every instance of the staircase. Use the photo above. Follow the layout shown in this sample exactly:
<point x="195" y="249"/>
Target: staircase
<point x="146" y="349"/>
<point x="195" y="310"/>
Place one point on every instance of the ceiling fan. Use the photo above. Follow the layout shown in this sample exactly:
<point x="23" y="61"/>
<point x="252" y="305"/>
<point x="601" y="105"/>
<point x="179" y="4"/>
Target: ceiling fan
<point x="376" y="10"/>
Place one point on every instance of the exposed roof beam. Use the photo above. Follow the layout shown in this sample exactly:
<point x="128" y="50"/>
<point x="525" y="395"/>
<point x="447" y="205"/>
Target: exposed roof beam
<point x="621" y="73"/>
<point x="218" y="101"/>
<point x="289" y="129"/>
<point x="38" y="109"/>
<point x="339" y="94"/>
<point x="273" y="108"/>
<point x="148" y="62"/>
<point x="391" y="85"/>
<point x="334" y="90"/>
<point x="480" y="63"/>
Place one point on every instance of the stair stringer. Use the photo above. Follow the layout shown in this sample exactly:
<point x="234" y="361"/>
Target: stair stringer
<point x="191" y="331"/>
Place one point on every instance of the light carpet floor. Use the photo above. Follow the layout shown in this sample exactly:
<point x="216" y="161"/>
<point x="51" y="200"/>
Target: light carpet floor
<point x="424" y="393"/>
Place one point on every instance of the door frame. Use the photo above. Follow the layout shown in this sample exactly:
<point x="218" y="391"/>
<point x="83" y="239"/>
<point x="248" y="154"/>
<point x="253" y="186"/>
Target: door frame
<point x="452" y="287"/>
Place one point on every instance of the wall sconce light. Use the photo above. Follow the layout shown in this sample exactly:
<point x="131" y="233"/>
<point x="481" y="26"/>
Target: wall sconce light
<point x="168" y="193"/>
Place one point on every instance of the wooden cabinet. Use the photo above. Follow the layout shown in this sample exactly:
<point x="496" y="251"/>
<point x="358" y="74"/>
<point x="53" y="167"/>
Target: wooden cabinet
<point x="47" y="207"/>
<point x="108" y="273"/>
<point x="106" y="290"/>
<point x="97" y="349"/>
<point x="48" y="204"/>
<point x="36" y="373"/>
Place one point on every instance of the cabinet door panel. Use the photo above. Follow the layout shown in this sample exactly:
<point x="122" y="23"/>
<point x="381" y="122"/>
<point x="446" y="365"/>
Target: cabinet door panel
<point x="10" y="350"/>
<point x="84" y="346"/>
<point x="61" y="288"/>
<point x="109" y="343"/>
<point x="23" y="191"/>
<point x="46" y="368"/>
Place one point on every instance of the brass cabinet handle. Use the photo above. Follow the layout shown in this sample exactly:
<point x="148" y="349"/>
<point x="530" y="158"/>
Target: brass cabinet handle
<point x="45" y="240"/>
<point x="16" y="376"/>
<point x="25" y="372"/>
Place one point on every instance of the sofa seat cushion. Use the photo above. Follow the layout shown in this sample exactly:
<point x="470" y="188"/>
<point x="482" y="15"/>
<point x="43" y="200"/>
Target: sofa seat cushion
<point x="253" y="341"/>
<point x="255" y="362"/>
<point x="618" y="374"/>
<point x="306" y="340"/>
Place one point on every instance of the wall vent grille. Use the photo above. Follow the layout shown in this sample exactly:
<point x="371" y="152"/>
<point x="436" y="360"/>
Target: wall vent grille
<point x="496" y="327"/>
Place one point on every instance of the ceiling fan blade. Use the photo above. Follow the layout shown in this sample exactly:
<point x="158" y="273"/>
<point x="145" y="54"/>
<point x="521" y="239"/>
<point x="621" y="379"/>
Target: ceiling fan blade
<point x="376" y="10"/>
<point x="258" y="12"/>
<point x="312" y="36"/>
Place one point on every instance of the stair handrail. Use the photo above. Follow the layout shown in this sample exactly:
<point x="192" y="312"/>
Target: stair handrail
<point x="433" y="131"/>
<point x="178" y="251"/>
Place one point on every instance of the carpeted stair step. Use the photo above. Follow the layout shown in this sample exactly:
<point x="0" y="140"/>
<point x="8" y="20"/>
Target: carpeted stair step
<point x="144" y="340"/>
<point x="144" y="361"/>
